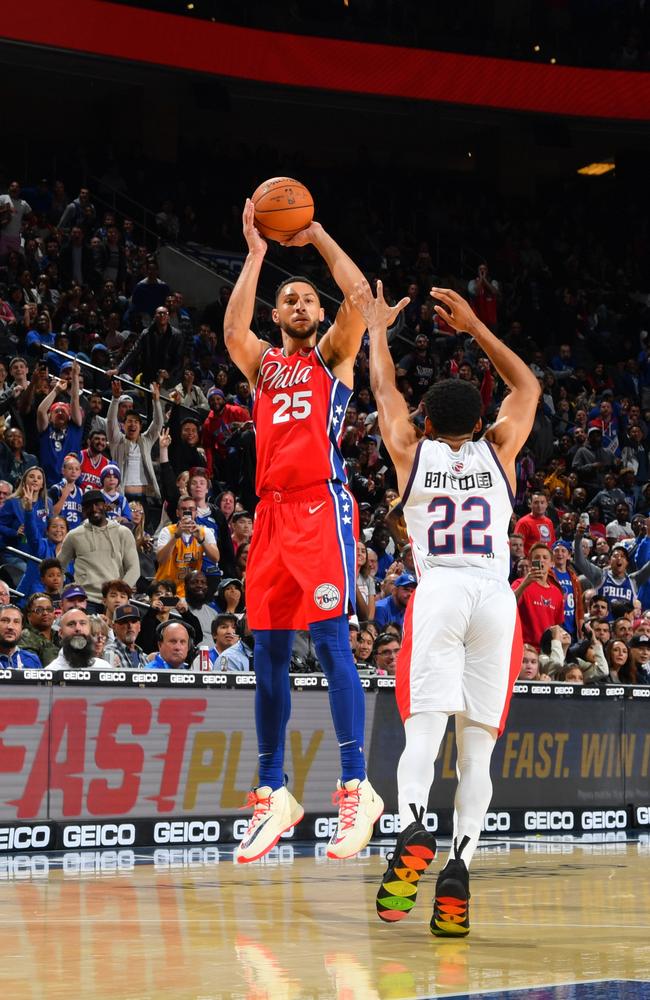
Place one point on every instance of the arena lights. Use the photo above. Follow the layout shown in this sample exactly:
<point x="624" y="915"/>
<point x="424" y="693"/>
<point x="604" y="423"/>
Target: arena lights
<point x="597" y="169"/>
<point x="537" y="48"/>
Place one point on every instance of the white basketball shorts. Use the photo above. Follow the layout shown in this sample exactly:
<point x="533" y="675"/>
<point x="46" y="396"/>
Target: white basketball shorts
<point x="462" y="647"/>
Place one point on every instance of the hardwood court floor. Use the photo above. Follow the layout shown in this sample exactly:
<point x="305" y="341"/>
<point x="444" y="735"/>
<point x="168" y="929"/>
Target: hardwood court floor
<point x="186" y="924"/>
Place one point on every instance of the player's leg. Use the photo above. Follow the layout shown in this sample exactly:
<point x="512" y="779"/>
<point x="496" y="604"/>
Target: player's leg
<point x="428" y="689"/>
<point x="416" y="846"/>
<point x="325" y="523"/>
<point x="271" y="594"/>
<point x="493" y="646"/>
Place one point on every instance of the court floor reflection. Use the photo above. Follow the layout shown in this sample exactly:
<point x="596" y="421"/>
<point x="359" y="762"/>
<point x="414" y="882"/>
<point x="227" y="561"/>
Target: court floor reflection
<point x="188" y="924"/>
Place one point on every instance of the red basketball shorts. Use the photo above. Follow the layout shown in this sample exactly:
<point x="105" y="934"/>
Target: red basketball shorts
<point x="303" y="556"/>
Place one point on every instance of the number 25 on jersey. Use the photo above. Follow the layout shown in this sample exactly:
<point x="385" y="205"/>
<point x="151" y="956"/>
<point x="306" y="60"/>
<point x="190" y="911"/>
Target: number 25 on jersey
<point x="291" y="406"/>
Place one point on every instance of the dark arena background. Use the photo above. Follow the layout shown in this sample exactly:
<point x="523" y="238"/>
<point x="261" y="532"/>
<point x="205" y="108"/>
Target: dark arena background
<point x="499" y="148"/>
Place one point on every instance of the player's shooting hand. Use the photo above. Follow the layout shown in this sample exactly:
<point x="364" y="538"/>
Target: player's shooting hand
<point x="256" y="245"/>
<point x="375" y="311"/>
<point x="455" y="310"/>
<point x="307" y="235"/>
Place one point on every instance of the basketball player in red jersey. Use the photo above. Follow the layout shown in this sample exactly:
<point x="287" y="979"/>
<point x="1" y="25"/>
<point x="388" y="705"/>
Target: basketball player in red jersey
<point x="302" y="561"/>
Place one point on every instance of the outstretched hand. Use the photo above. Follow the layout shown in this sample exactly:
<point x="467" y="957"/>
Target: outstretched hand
<point x="375" y="311"/>
<point x="303" y="236"/>
<point x="256" y="244"/>
<point x="455" y="311"/>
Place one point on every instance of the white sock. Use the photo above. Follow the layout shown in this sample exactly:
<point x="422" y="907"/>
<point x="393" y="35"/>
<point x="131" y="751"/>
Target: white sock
<point x="424" y="733"/>
<point x="474" y="745"/>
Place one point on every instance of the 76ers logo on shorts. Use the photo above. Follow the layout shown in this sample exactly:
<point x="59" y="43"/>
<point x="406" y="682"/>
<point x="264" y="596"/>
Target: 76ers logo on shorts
<point x="327" y="596"/>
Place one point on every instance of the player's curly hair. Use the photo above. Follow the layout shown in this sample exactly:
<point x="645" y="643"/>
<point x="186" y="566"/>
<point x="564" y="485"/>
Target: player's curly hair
<point x="453" y="406"/>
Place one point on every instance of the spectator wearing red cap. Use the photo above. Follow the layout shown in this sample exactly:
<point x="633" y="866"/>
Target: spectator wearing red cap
<point x="60" y="427"/>
<point x="224" y="418"/>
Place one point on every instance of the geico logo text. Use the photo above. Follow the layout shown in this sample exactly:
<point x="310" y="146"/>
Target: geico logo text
<point x="496" y="822"/>
<point x="187" y="832"/>
<point x="604" y="819"/>
<point x="548" y="820"/>
<point x="20" y="838"/>
<point x="99" y="835"/>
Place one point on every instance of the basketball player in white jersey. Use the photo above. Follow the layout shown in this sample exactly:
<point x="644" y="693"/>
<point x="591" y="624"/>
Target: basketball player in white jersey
<point x="462" y="642"/>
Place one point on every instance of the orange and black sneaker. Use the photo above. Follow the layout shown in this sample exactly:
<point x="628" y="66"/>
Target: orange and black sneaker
<point x="414" y="851"/>
<point x="451" y="904"/>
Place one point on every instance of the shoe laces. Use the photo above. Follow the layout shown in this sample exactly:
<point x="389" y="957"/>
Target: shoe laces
<point x="260" y="808"/>
<point x="347" y="799"/>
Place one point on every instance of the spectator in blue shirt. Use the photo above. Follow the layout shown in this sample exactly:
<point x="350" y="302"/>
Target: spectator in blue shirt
<point x="60" y="427"/>
<point x="12" y="658"/>
<point x="41" y="335"/>
<point x="229" y="652"/>
<point x="174" y="642"/>
<point x="66" y="495"/>
<point x="392" y="608"/>
<point x="12" y="512"/>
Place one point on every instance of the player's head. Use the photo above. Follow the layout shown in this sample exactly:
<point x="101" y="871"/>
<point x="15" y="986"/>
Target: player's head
<point x="298" y="311"/>
<point x="453" y="408"/>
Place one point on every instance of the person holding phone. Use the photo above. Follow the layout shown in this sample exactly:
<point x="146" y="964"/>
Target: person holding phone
<point x="183" y="546"/>
<point x="540" y="599"/>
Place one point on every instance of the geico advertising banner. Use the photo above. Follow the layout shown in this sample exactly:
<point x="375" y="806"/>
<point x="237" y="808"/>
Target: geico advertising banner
<point x="68" y="753"/>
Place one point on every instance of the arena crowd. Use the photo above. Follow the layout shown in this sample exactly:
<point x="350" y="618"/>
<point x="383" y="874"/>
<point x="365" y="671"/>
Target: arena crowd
<point x="126" y="507"/>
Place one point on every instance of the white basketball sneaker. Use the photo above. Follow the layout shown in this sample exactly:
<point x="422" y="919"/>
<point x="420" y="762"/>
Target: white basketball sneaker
<point x="274" y="812"/>
<point x="359" y="809"/>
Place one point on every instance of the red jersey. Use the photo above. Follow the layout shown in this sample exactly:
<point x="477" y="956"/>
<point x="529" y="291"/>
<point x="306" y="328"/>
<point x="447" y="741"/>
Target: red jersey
<point x="298" y="413"/>
<point x="539" y="608"/>
<point x="535" y="529"/>
<point x="217" y="428"/>
<point x="91" y="469"/>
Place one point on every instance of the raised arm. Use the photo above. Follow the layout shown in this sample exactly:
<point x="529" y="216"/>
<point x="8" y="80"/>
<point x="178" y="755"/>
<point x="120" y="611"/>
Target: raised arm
<point x="76" y="413"/>
<point x="114" y="433"/>
<point x="341" y="343"/>
<point x="397" y="431"/>
<point x="517" y="412"/>
<point x="244" y="348"/>
<point x="42" y="413"/>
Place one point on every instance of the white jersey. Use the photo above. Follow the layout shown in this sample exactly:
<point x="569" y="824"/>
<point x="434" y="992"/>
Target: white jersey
<point x="457" y="506"/>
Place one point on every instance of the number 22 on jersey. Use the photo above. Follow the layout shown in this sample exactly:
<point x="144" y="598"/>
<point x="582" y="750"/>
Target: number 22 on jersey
<point x="468" y="522"/>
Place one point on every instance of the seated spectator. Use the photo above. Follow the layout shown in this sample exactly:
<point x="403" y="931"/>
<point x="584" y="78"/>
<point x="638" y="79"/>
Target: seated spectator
<point x="640" y="659"/>
<point x="363" y="652"/>
<point x="393" y="607"/>
<point x="14" y="460"/>
<point x="165" y="605"/>
<point x="602" y="630"/>
<point x="190" y="394"/>
<point x="384" y="653"/>
<point x="530" y="667"/>
<point x="66" y="494"/>
<point x="230" y="597"/>
<point x="77" y="650"/>
<point x="571" y="674"/>
<point x="198" y="603"/>
<point x="621" y="528"/>
<point x="229" y="652"/>
<point x="101" y="549"/>
<point x="553" y="647"/>
<point x="123" y="652"/>
<point x="622" y="628"/>
<point x="117" y="506"/>
<point x="365" y="584"/>
<point x="38" y="634"/>
<point x="59" y="427"/>
<point x="181" y="547"/>
<point x="536" y="526"/>
<point x="612" y="583"/>
<point x="99" y="633"/>
<point x="131" y="449"/>
<point x="222" y="421"/>
<point x="175" y="640"/>
<point x="621" y="670"/>
<point x="11" y="656"/>
<point x="30" y="490"/>
<point x="41" y="546"/>
<point x="539" y="597"/>
<point x="144" y="544"/>
<point x="241" y="524"/>
<point x="114" y="594"/>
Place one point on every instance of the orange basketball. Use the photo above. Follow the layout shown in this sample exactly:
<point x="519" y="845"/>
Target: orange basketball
<point x="283" y="206"/>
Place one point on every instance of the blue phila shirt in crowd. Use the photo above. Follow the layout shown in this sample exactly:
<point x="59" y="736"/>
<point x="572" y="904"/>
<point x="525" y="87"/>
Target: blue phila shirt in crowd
<point x="54" y="446"/>
<point x="158" y="663"/>
<point x="20" y="659"/>
<point x="117" y="506"/>
<point x="233" y="658"/>
<point x="209" y="567"/>
<point x="71" y="509"/>
<point x="616" y="590"/>
<point x="564" y="579"/>
<point x="641" y="557"/>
